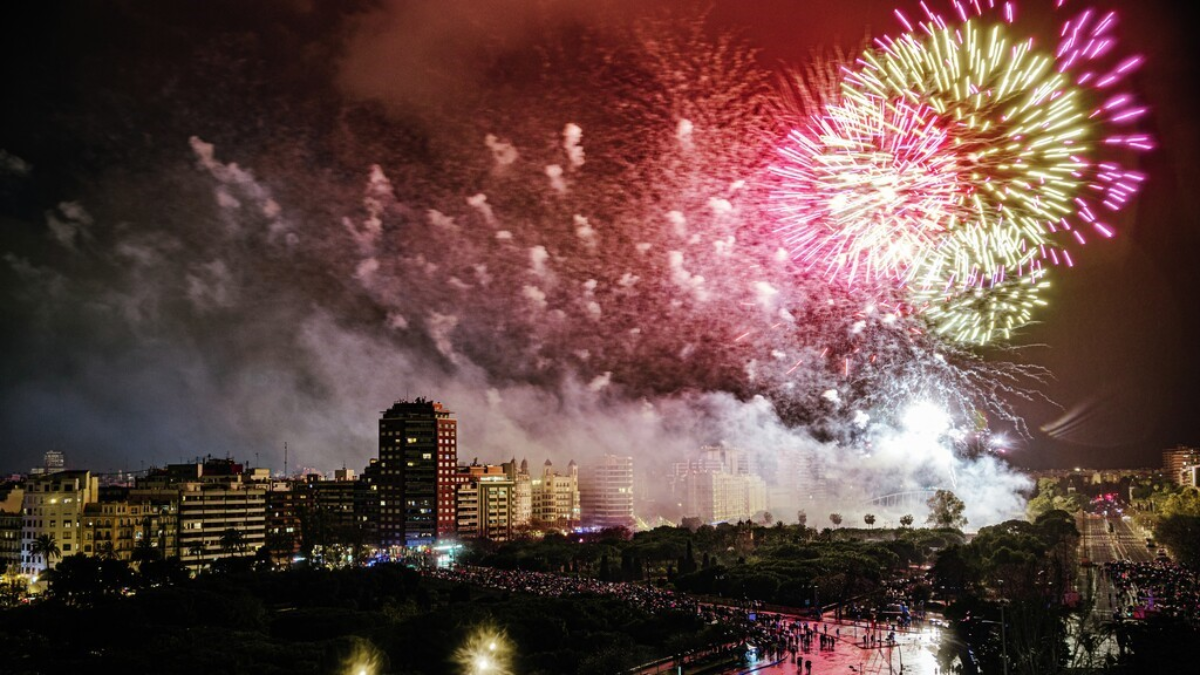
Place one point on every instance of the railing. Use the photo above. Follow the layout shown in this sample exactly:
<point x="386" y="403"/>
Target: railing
<point x="677" y="662"/>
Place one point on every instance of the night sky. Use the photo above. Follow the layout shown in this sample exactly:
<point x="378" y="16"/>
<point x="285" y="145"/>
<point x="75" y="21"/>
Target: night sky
<point x="192" y="262"/>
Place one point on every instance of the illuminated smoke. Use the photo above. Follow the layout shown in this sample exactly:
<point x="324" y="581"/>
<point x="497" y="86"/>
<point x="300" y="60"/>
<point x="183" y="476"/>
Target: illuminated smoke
<point x="633" y="303"/>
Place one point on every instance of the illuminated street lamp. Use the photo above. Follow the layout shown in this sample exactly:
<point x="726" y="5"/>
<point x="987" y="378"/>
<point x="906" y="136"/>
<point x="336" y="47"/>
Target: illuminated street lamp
<point x="487" y="652"/>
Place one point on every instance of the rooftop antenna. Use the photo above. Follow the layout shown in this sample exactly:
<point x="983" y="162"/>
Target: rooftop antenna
<point x="285" y="473"/>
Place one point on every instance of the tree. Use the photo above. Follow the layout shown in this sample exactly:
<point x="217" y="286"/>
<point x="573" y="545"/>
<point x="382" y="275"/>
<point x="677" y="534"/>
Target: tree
<point x="906" y="520"/>
<point x="869" y="519"/>
<point x="233" y="541"/>
<point x="836" y="519"/>
<point x="144" y="550"/>
<point x="106" y="550"/>
<point x="946" y="510"/>
<point x="1182" y="535"/>
<point x="196" y="549"/>
<point x="47" y="548"/>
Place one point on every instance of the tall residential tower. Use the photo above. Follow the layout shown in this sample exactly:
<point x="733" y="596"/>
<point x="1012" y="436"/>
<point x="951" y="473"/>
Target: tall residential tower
<point x="418" y="462"/>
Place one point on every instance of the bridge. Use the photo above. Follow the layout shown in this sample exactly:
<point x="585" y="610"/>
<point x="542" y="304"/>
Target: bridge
<point x="902" y="500"/>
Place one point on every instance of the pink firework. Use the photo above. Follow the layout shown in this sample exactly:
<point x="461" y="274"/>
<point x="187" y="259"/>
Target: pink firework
<point x="867" y="188"/>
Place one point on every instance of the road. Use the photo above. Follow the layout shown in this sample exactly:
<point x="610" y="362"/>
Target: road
<point x="1123" y="543"/>
<point x="1098" y="545"/>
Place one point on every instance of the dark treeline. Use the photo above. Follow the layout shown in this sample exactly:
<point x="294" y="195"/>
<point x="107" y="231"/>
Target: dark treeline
<point x="325" y="621"/>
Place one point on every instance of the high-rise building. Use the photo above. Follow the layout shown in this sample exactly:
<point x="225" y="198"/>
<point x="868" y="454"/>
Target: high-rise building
<point x="221" y="519"/>
<point x="718" y="486"/>
<point x="52" y="462"/>
<point x="418" y="466"/>
<point x="53" y="507"/>
<point x="366" y="502"/>
<point x="485" y="502"/>
<point x="221" y="508"/>
<point x="555" y="498"/>
<point x="1177" y="460"/>
<point x="606" y="493"/>
<point x="286" y="503"/>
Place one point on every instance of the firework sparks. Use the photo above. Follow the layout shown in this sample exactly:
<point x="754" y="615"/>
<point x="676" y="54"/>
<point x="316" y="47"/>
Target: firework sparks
<point x="956" y="163"/>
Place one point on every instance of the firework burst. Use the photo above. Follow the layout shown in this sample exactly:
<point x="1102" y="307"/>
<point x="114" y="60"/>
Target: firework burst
<point x="958" y="161"/>
<point x="869" y="187"/>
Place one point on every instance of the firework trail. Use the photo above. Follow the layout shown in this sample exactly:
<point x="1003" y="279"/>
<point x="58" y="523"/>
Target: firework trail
<point x="958" y="159"/>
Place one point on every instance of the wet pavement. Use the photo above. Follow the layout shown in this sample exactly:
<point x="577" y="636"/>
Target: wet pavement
<point x="913" y="653"/>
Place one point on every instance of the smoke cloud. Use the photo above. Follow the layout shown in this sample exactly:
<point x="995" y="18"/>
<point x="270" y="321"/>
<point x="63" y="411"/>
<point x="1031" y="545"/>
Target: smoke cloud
<point x="563" y="240"/>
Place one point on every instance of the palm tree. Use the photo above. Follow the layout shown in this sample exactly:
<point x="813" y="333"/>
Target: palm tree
<point x="196" y="551"/>
<point x="105" y="550"/>
<point x="835" y="518"/>
<point x="144" y="550"/>
<point x="869" y="519"/>
<point x="232" y="540"/>
<point x="46" y="547"/>
<point x="906" y="520"/>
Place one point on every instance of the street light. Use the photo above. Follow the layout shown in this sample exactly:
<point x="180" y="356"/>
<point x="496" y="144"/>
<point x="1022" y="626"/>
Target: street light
<point x="486" y="652"/>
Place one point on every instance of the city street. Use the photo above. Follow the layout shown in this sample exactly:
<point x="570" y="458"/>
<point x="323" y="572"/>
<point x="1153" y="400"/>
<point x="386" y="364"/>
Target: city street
<point x="1124" y="543"/>
<point x="1099" y="546"/>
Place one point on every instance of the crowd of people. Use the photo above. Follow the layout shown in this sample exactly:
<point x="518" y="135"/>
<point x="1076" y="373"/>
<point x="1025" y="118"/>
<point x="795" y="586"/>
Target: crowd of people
<point x="770" y="636"/>
<point x="645" y="597"/>
<point x="1161" y="587"/>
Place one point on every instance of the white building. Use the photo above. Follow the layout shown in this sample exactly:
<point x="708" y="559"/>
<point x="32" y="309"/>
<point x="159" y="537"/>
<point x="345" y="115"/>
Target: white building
<point x="718" y="486"/>
<point x="606" y="493"/>
<point x="556" y="498"/>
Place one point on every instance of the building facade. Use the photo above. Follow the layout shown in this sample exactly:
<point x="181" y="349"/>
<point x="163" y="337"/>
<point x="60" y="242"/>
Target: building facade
<point x="12" y="502"/>
<point x="221" y="519"/>
<point x="53" y="507"/>
<point x="1178" y="460"/>
<point x="417" y="474"/>
<point x="485" y="502"/>
<point x="606" y="493"/>
<point x="555" y="498"/>
<point x="522" y="516"/>
<point x="118" y="524"/>
<point x="717" y="486"/>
